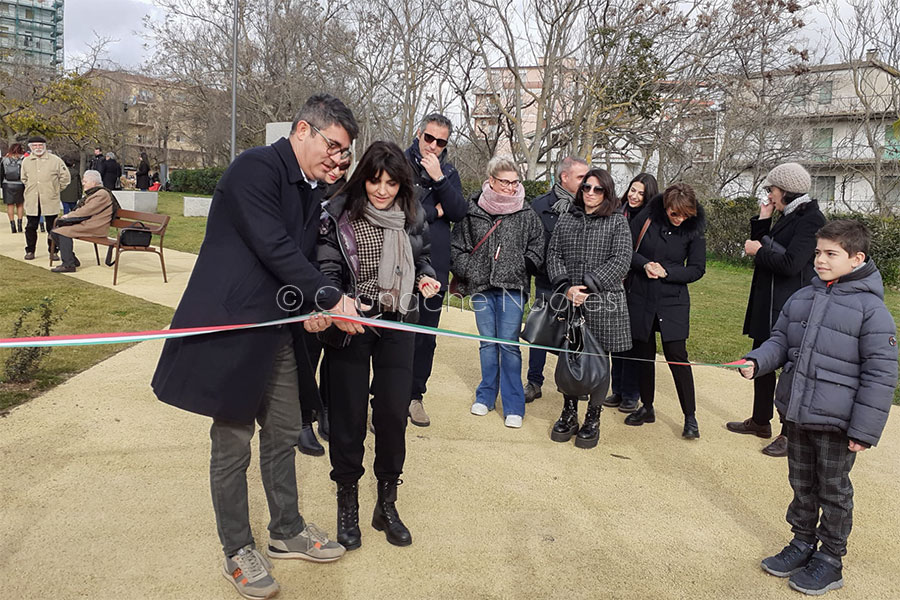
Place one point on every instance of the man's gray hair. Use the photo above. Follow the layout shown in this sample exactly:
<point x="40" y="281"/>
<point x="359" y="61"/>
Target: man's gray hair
<point x="324" y="110"/>
<point x="438" y="119"/>
<point x="501" y="163"/>
<point x="92" y="176"/>
<point x="110" y="156"/>
<point x="567" y="163"/>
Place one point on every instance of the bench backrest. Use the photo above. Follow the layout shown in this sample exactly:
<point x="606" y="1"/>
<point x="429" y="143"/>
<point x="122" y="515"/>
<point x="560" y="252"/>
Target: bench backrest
<point x="126" y="218"/>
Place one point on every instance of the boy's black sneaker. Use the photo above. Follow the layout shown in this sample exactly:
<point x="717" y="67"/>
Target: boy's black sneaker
<point x="822" y="573"/>
<point x="792" y="559"/>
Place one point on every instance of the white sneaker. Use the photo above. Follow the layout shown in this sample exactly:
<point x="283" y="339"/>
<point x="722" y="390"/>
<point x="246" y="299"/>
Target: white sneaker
<point x="514" y="421"/>
<point x="480" y="409"/>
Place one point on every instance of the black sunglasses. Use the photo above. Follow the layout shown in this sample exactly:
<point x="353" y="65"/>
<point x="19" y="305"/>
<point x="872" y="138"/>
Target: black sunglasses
<point x="598" y="189"/>
<point x="430" y="139"/>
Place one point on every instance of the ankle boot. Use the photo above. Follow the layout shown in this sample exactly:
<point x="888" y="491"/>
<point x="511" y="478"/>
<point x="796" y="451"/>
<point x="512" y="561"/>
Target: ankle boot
<point x="19" y="225"/>
<point x="567" y="424"/>
<point x="385" y="518"/>
<point x="691" y="429"/>
<point x="12" y="225"/>
<point x="348" y="534"/>
<point x="589" y="433"/>
<point x="308" y="444"/>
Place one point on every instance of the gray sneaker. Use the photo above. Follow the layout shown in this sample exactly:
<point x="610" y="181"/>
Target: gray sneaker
<point x="532" y="391"/>
<point x="310" y="544"/>
<point x="248" y="571"/>
<point x="417" y="414"/>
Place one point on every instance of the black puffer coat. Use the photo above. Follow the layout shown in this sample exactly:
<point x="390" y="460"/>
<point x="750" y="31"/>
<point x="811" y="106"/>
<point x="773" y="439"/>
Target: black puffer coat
<point x="682" y="252"/>
<point x="776" y="276"/>
<point x="505" y="260"/>
<point x="337" y="251"/>
<point x="837" y="344"/>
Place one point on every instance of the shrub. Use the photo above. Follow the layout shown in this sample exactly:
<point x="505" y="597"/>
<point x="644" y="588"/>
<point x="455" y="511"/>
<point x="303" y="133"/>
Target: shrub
<point x="533" y="189"/>
<point x="728" y="225"/>
<point x="196" y="181"/>
<point x="22" y="363"/>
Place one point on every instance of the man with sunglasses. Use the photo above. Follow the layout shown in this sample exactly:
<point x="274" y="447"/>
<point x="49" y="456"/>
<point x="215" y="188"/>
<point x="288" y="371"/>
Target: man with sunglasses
<point x="440" y="192"/>
<point x="256" y="265"/>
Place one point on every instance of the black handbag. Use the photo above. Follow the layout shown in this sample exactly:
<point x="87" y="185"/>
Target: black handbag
<point x="584" y="368"/>
<point x="136" y="234"/>
<point x="544" y="326"/>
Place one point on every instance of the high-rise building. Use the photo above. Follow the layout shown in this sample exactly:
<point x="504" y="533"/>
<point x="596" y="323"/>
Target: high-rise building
<point x="31" y="31"/>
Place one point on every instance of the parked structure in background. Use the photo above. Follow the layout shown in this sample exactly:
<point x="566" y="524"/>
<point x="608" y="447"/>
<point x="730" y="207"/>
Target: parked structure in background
<point x="31" y="31"/>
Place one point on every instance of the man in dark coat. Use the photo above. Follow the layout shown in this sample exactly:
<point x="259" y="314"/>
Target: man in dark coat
<point x="549" y="207"/>
<point x="97" y="161"/>
<point x="255" y="266"/>
<point x="783" y="255"/>
<point x="440" y="192"/>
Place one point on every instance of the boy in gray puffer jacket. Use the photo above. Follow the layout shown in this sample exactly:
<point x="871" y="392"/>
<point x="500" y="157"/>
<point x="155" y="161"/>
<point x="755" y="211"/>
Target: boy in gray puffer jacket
<point x="837" y="343"/>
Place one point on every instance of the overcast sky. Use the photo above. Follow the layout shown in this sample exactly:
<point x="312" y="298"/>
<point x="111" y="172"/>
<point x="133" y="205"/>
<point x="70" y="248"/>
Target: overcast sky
<point x="120" y="20"/>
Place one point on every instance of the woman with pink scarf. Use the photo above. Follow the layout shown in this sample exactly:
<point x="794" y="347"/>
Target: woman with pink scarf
<point x="494" y="250"/>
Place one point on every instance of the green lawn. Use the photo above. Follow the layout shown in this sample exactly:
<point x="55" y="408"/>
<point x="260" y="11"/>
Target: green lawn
<point x="183" y="233"/>
<point x="91" y="309"/>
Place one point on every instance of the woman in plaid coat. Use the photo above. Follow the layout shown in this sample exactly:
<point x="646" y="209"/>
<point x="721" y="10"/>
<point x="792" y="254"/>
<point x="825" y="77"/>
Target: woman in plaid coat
<point x="588" y="257"/>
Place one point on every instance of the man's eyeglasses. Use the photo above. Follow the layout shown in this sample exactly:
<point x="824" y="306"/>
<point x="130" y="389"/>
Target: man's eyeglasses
<point x="506" y="182"/>
<point x="587" y="188"/>
<point x="333" y="147"/>
<point x="430" y="139"/>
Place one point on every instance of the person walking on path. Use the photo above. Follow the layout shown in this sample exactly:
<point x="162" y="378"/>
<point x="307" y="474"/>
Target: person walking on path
<point x="256" y="264"/>
<point x="13" y="188"/>
<point x="374" y="247"/>
<point x="90" y="218"/>
<point x="45" y="175"/>
<point x="550" y="207"/>
<point x="588" y="257"/>
<point x="439" y="191"/>
<point x="836" y="341"/>
<point x="624" y="372"/>
<point x="494" y="251"/>
<point x="669" y="255"/>
<point x="783" y="255"/>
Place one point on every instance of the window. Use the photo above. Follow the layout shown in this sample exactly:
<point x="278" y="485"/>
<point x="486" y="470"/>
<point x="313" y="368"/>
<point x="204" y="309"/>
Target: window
<point x="178" y="138"/>
<point x="891" y="189"/>
<point x="825" y="92"/>
<point x="823" y="188"/>
<point x="892" y="141"/>
<point x="822" y="142"/>
<point x="29" y="13"/>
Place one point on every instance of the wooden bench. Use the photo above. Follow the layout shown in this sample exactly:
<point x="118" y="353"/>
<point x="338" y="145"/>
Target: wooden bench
<point x="126" y="218"/>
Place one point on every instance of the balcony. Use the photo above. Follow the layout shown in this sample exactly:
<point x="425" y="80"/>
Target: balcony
<point x="841" y="106"/>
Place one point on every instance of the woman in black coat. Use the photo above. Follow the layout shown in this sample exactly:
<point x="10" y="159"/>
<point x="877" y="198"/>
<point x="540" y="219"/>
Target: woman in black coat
<point x="783" y="256"/>
<point x="624" y="372"/>
<point x="112" y="172"/>
<point x="142" y="175"/>
<point x="670" y="254"/>
<point x="373" y="245"/>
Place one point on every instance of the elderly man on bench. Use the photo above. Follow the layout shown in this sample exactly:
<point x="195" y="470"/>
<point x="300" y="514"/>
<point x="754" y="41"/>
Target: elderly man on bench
<point x="91" y="218"/>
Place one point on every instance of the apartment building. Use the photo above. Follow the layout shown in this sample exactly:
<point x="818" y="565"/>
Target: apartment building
<point x="31" y="32"/>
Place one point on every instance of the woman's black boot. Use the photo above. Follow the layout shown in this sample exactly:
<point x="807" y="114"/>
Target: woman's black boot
<point x="308" y="443"/>
<point x="323" y="424"/>
<point x="19" y="225"/>
<point x="691" y="429"/>
<point x="12" y="225"/>
<point x="567" y="425"/>
<point x="642" y="415"/>
<point x="385" y="517"/>
<point x="589" y="434"/>
<point x="348" y="534"/>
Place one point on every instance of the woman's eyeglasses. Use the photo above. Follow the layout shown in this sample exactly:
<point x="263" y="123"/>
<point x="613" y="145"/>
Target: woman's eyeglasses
<point x="507" y="182"/>
<point x="430" y="139"/>
<point x="588" y="188"/>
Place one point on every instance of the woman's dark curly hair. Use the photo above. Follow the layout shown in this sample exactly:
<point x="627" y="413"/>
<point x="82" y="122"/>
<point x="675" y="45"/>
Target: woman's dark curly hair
<point x="381" y="157"/>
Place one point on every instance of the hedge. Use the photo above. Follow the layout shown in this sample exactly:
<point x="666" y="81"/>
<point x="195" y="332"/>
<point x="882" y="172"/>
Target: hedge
<point x="196" y="181"/>
<point x="728" y="225"/>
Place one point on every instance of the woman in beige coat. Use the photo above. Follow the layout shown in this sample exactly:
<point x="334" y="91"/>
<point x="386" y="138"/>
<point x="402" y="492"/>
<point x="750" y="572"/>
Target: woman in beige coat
<point x="44" y="175"/>
<point x="91" y="218"/>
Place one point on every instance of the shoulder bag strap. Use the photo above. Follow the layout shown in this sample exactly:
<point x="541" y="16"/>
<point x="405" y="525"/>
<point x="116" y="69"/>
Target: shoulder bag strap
<point x="641" y="235"/>
<point x="486" y="236"/>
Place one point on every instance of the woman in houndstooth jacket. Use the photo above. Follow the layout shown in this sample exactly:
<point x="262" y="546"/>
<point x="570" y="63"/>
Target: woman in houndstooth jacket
<point x="588" y="257"/>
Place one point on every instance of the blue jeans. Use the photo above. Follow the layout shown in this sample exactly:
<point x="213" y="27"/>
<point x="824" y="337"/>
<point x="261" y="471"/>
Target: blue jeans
<point x="68" y="207"/>
<point x="538" y="358"/>
<point x="625" y="375"/>
<point x="498" y="314"/>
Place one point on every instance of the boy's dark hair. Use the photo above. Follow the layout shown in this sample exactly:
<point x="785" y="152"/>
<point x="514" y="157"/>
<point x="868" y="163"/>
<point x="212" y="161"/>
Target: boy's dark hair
<point x="378" y="158"/>
<point x="610" y="200"/>
<point x="323" y="111"/>
<point x="850" y="235"/>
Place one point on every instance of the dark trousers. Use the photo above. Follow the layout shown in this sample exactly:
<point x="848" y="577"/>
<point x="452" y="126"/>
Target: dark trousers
<point x="423" y="357"/>
<point x="308" y="386"/>
<point x="763" y="394"/>
<point x="538" y="358"/>
<point x="674" y="351"/>
<point x="625" y="374"/>
<point x="31" y="230"/>
<point x="819" y="464"/>
<point x="65" y="245"/>
<point x="391" y="357"/>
